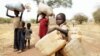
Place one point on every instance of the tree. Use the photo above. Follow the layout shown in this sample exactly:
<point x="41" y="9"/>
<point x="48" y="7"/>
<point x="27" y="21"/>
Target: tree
<point x="96" y="15"/>
<point x="80" y="18"/>
<point x="56" y="3"/>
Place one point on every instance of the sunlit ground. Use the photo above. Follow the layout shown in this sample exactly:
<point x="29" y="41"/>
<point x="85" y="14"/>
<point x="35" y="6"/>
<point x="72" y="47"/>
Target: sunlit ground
<point x="90" y="40"/>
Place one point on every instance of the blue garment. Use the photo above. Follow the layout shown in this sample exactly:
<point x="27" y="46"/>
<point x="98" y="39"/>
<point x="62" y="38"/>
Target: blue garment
<point x="15" y="38"/>
<point x="21" y="38"/>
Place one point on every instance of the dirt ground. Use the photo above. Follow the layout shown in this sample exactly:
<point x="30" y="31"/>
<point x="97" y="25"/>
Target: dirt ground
<point x="90" y="40"/>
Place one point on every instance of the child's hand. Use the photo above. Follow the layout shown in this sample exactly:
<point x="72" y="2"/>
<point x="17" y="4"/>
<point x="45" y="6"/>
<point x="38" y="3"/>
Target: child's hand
<point x="56" y="28"/>
<point x="30" y="31"/>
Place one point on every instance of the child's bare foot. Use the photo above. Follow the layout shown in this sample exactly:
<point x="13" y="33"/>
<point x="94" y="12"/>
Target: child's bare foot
<point x="15" y="50"/>
<point x="22" y="50"/>
<point x="19" y="51"/>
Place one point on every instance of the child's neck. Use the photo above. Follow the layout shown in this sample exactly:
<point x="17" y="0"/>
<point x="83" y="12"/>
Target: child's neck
<point x="28" y="28"/>
<point x="59" y="24"/>
<point x="43" y="17"/>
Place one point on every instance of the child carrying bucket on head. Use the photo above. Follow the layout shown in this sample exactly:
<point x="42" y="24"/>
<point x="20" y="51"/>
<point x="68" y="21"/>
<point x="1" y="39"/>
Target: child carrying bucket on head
<point x="16" y="22"/>
<point x="43" y="28"/>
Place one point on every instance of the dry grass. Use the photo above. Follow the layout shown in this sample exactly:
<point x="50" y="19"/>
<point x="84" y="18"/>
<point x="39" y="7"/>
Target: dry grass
<point x="90" y="40"/>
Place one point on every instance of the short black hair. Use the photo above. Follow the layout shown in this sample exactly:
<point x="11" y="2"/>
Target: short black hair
<point x="43" y="14"/>
<point x="23" y="23"/>
<point x="28" y="24"/>
<point x="16" y="12"/>
<point x="63" y="17"/>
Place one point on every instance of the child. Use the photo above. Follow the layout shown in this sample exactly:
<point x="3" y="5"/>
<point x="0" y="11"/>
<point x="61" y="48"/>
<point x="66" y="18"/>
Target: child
<point x="43" y="28"/>
<point x="28" y="33"/>
<point x="61" y="26"/>
<point x="21" y="36"/>
<point x="16" y="22"/>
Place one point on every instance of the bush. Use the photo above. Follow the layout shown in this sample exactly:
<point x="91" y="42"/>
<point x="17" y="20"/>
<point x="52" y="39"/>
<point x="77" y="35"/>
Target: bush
<point x="96" y="16"/>
<point x="80" y="18"/>
<point x="5" y="20"/>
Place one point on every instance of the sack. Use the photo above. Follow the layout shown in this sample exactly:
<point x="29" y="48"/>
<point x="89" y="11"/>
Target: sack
<point x="45" y="9"/>
<point x="50" y="43"/>
<point x="74" y="48"/>
<point x="15" y="6"/>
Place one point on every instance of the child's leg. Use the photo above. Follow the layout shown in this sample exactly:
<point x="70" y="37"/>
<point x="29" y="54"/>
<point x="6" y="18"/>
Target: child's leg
<point x="22" y="45"/>
<point x="15" y="39"/>
<point x="25" y="43"/>
<point x="28" y="43"/>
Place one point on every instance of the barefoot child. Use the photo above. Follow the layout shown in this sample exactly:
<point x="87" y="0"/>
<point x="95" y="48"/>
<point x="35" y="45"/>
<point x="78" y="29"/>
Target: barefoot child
<point x="16" y="22"/>
<point x="43" y="28"/>
<point x="28" y="33"/>
<point x="21" y="36"/>
<point x="61" y="26"/>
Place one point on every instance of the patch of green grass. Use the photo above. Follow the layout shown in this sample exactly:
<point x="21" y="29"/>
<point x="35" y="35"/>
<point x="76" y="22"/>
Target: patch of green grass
<point x="5" y="20"/>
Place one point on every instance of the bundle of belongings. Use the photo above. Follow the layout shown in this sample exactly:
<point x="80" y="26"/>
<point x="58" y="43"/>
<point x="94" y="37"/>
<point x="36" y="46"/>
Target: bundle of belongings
<point x="53" y="43"/>
<point x="42" y="8"/>
<point x="15" y="6"/>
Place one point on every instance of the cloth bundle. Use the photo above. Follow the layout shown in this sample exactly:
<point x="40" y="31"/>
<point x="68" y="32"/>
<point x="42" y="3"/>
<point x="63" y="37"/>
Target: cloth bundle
<point x="42" y="8"/>
<point x="15" y="6"/>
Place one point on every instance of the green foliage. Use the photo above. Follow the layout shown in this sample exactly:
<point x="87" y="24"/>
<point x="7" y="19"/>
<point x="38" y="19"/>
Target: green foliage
<point x="33" y="20"/>
<point x="37" y="1"/>
<point x="79" y="18"/>
<point x="5" y="20"/>
<point x="96" y="16"/>
<point x="56" y="3"/>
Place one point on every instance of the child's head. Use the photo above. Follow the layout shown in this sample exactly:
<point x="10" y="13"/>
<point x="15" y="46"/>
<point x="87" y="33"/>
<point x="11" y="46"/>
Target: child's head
<point x="22" y="24"/>
<point x="43" y="15"/>
<point x="28" y="25"/>
<point x="60" y="18"/>
<point x="16" y="13"/>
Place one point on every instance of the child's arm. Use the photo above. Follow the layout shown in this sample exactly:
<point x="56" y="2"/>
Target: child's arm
<point x="9" y="15"/>
<point x="22" y="12"/>
<point x="62" y="31"/>
<point x="50" y="30"/>
<point x="21" y="15"/>
<point x="37" y="19"/>
<point x="59" y="29"/>
<point x="31" y="31"/>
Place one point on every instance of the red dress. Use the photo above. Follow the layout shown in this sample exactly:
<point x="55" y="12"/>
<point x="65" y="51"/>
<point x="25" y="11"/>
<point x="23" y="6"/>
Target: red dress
<point x="43" y="27"/>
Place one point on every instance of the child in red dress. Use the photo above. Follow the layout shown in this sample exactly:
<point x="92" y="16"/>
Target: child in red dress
<point x="43" y="27"/>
